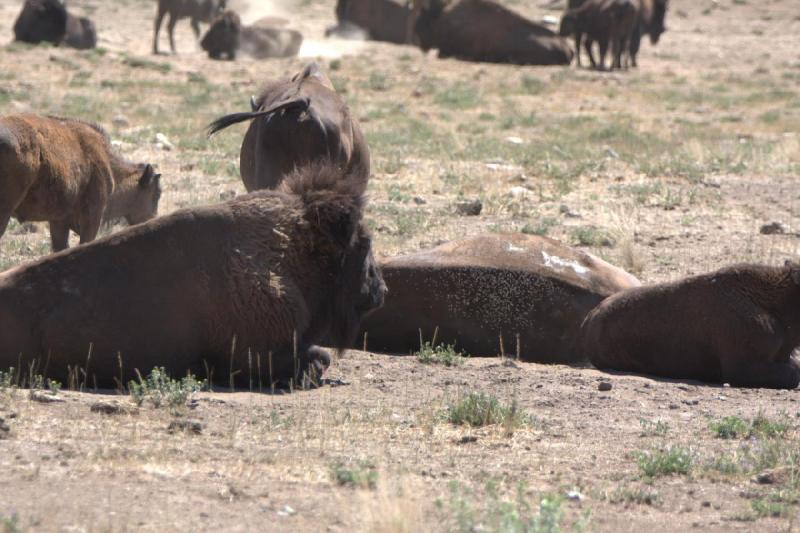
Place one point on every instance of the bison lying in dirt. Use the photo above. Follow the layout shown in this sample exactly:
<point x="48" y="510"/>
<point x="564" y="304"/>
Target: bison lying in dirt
<point x="295" y="121"/>
<point x="267" y="38"/>
<point x="49" y="21"/>
<point x="240" y="287"/>
<point x="382" y="20"/>
<point x="63" y="171"/>
<point x="483" y="30"/>
<point x="522" y="289"/>
<point x="738" y="325"/>
<point x="222" y="38"/>
<point x="651" y="22"/>
<point x="196" y="10"/>
<point x="605" y="21"/>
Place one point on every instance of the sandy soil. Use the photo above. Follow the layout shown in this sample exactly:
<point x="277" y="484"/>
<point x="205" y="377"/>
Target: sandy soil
<point x="668" y="170"/>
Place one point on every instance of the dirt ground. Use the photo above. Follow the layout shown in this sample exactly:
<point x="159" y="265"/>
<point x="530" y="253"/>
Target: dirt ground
<point x="667" y="170"/>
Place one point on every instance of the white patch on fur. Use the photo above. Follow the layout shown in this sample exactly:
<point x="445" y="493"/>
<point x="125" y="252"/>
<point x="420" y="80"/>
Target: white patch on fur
<point x="553" y="261"/>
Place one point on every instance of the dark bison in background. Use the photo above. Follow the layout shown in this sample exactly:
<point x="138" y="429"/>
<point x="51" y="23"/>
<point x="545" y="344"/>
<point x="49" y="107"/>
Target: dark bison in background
<point x="196" y="10"/>
<point x="382" y="20"/>
<point x="483" y="30"/>
<point x="738" y="325"/>
<point x="609" y="22"/>
<point x="480" y="289"/>
<point x="64" y="171"/>
<point x="48" y="21"/>
<point x="652" y="15"/>
<point x="222" y="38"/>
<point x="295" y="121"/>
<point x="275" y="270"/>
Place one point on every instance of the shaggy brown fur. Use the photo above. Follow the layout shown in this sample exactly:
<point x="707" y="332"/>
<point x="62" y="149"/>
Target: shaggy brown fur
<point x="196" y="10"/>
<point x="477" y="290"/>
<point x="81" y="33"/>
<point x="383" y="20"/>
<point x="275" y="270"/>
<point x="652" y="15"/>
<point x="296" y="121"/>
<point x="483" y="30"/>
<point x="738" y="325"/>
<point x="222" y="38"/>
<point x="605" y="21"/>
<point x="267" y="37"/>
<point x="41" y="20"/>
<point x="63" y="171"/>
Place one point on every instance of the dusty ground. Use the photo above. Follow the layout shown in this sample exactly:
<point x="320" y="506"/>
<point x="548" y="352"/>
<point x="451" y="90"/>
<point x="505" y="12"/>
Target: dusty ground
<point x="667" y="170"/>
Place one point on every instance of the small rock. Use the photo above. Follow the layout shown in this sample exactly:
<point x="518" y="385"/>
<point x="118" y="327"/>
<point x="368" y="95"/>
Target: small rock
<point x="417" y="93"/>
<point x="574" y="495"/>
<point x="773" y="228"/>
<point x="674" y="406"/>
<point x="187" y="426"/>
<point x="39" y="396"/>
<point x="227" y="195"/>
<point x="466" y="439"/>
<point x="706" y="504"/>
<point x="120" y="121"/>
<point x="691" y="402"/>
<point x="116" y="144"/>
<point x="551" y="20"/>
<point x="604" y="386"/>
<point x="772" y="477"/>
<point x="108" y="408"/>
<point x="286" y="511"/>
<point x="610" y="152"/>
<point x="519" y="192"/>
<point x="514" y="140"/>
<point x="419" y="200"/>
<point x="163" y="143"/>
<point x="469" y="208"/>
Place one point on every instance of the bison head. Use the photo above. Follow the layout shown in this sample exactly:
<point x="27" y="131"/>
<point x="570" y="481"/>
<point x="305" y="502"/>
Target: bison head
<point x="41" y="20"/>
<point x="144" y="203"/>
<point x="567" y="26"/>
<point x="428" y="13"/>
<point x="657" y="26"/>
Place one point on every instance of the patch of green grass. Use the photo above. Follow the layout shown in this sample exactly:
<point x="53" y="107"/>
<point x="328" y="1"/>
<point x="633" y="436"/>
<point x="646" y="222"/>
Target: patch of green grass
<point x="665" y="461"/>
<point x="591" y="236"/>
<point x="656" y="428"/>
<point x="140" y="62"/>
<point x="732" y="427"/>
<point x="540" y="228"/>
<point x="772" y="507"/>
<point x="364" y="475"/>
<point x="159" y="389"/>
<point x="10" y="524"/>
<point x="532" y="85"/>
<point x="441" y="354"/>
<point x="636" y="495"/>
<point x="479" y="409"/>
<point x="459" y="95"/>
<point x="378" y="81"/>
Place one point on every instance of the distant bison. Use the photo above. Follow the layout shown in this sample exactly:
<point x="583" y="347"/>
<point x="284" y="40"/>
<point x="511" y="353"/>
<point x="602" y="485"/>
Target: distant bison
<point x="48" y="21"/>
<point x="483" y="30"/>
<point x="605" y="21"/>
<point x="267" y="37"/>
<point x="222" y="38"/>
<point x="81" y="33"/>
<point x="382" y="20"/>
<point x="479" y="290"/>
<point x="652" y="15"/>
<point x="295" y="121"/>
<point x="64" y="171"/>
<point x="196" y="10"/>
<point x="738" y="325"/>
<point x="242" y="287"/>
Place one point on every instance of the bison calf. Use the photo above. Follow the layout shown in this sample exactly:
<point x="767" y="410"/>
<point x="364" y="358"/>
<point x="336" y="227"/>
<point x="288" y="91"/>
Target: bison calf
<point x="738" y="325"/>
<point x="488" y="293"/>
<point x="605" y="21"/>
<point x="296" y="121"/>
<point x="63" y="171"/>
<point x="222" y="38"/>
<point x="269" y="274"/>
<point x="483" y="30"/>
<point x="196" y="10"/>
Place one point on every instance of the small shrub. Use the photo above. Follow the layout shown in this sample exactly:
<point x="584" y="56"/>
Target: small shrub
<point x="650" y="428"/>
<point x="478" y="409"/>
<point x="159" y="389"/>
<point x="442" y="354"/>
<point x="363" y="476"/>
<point x="638" y="496"/>
<point x="730" y="427"/>
<point x="665" y="461"/>
<point x="591" y="236"/>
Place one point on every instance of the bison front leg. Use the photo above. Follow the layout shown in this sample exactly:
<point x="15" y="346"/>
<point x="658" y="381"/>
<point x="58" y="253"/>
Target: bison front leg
<point x="173" y="20"/>
<point x="587" y="44"/>
<point x="157" y="29"/>
<point x="578" y="39"/>
<point x="59" y="235"/>
<point x="603" y="44"/>
<point x="196" y="28"/>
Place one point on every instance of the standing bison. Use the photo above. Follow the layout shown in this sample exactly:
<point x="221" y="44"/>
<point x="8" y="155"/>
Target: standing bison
<point x="483" y="30"/>
<point x="196" y="10"/>
<point x="48" y="21"/>
<point x="738" y="325"/>
<point x="249" y="284"/>
<point x="295" y="121"/>
<point x="63" y="171"/>
<point x="651" y="22"/>
<point x="382" y="20"/>
<point x="605" y="21"/>
<point x="477" y="291"/>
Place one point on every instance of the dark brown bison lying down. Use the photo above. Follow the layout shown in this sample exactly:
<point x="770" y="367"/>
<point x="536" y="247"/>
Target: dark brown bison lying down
<point x="295" y="121"/>
<point x="222" y="38"/>
<point x="605" y="21"/>
<point x="267" y="37"/>
<point x="49" y="21"/>
<point x="738" y="325"/>
<point x="383" y="20"/>
<point x="480" y="289"/>
<point x="64" y="171"/>
<point x="483" y="30"/>
<point x="272" y="270"/>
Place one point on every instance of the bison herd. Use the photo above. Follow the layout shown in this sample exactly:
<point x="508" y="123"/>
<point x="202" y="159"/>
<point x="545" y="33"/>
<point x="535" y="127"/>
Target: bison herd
<point x="256" y="285"/>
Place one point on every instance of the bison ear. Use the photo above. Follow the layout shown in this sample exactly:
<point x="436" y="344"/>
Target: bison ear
<point x="148" y="176"/>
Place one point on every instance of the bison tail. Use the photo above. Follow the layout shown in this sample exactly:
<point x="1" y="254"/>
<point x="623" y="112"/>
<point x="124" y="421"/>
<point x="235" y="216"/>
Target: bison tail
<point x="221" y="123"/>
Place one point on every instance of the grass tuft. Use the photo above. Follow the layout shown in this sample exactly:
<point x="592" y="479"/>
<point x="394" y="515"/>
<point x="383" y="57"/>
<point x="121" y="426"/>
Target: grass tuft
<point x="159" y="389"/>
<point x="665" y="461"/>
